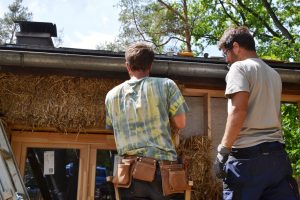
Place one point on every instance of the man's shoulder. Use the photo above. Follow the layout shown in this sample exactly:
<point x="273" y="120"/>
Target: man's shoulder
<point x="160" y="80"/>
<point x="115" y="89"/>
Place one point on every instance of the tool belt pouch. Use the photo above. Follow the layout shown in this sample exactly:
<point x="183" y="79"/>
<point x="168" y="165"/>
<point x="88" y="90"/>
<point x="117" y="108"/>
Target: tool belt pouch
<point x="144" y="169"/>
<point x="173" y="179"/>
<point x="124" y="173"/>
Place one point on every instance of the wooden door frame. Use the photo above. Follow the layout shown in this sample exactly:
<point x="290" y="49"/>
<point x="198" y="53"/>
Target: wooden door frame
<point x="86" y="143"/>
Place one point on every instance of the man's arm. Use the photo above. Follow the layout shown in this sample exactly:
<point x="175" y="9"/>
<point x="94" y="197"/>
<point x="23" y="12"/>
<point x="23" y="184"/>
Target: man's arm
<point x="235" y="121"/>
<point x="236" y="118"/>
<point x="179" y="121"/>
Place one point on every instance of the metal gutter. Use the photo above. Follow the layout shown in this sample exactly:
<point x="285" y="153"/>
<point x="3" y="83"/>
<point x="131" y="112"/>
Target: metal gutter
<point x="116" y="64"/>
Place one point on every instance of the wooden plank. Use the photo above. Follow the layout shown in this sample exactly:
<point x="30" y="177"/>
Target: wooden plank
<point x="220" y="93"/>
<point x="83" y="173"/>
<point x="92" y="174"/>
<point x="207" y="115"/>
<point x="17" y="148"/>
<point x="202" y="92"/>
<point x="290" y="98"/>
<point x="23" y="160"/>
<point x="23" y="127"/>
<point x="28" y="136"/>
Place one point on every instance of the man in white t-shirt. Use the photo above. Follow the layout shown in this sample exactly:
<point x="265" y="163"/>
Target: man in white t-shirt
<point x="251" y="158"/>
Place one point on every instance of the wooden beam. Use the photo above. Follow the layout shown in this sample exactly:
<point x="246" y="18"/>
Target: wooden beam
<point x="290" y="98"/>
<point x="23" y="127"/>
<point x="101" y="141"/>
<point x="92" y="174"/>
<point x="207" y="115"/>
<point x="202" y="92"/>
<point x="220" y="93"/>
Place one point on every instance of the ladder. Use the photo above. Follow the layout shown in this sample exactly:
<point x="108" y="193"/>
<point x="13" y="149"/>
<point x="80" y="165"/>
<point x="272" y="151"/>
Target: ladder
<point x="11" y="184"/>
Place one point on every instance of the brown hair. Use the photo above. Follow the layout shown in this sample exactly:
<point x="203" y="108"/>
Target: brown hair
<point x="241" y="35"/>
<point x="139" y="56"/>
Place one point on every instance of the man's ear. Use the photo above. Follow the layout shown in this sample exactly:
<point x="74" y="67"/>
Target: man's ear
<point x="128" y="67"/>
<point x="235" y="47"/>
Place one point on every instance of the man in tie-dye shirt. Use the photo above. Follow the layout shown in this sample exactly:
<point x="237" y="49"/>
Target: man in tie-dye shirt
<point x="139" y="111"/>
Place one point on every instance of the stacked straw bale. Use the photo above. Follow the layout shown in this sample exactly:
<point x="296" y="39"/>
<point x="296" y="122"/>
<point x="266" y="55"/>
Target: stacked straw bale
<point x="77" y="103"/>
<point x="196" y="154"/>
<point x="62" y="102"/>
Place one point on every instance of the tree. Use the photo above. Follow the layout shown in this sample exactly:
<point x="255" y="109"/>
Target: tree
<point x="8" y="28"/>
<point x="115" y="46"/>
<point x="275" y="24"/>
<point x="291" y="130"/>
<point x="161" y="22"/>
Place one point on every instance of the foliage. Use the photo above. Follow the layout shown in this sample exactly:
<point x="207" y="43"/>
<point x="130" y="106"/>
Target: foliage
<point x="161" y="23"/>
<point x="291" y="130"/>
<point x="115" y="46"/>
<point x="8" y="28"/>
<point x="275" y="24"/>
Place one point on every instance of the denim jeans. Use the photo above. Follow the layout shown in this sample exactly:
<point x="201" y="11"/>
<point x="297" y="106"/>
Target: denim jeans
<point x="142" y="190"/>
<point x="259" y="176"/>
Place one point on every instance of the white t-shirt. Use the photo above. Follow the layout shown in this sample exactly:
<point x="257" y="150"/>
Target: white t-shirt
<point x="264" y="85"/>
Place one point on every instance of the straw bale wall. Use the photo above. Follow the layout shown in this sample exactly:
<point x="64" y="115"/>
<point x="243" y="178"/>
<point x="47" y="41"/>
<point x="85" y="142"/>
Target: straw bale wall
<point x="196" y="154"/>
<point x="63" y="102"/>
<point x="77" y="103"/>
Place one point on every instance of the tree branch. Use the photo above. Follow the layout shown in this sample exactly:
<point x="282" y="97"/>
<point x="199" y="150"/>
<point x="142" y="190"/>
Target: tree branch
<point x="276" y="21"/>
<point x="185" y="20"/>
<point x="172" y="9"/>
<point x="241" y="13"/>
<point x="259" y="18"/>
<point x="228" y="15"/>
<point x="135" y="22"/>
<point x="169" y="39"/>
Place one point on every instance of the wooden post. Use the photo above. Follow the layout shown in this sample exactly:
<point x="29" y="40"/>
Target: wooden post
<point x="207" y="115"/>
<point x="187" y="195"/>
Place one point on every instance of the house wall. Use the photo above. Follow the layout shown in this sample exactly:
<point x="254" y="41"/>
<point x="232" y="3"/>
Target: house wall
<point x="218" y="120"/>
<point x="194" y="118"/>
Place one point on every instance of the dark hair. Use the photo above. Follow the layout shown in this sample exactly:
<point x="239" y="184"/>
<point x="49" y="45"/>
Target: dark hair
<point x="139" y="56"/>
<point x="241" y="35"/>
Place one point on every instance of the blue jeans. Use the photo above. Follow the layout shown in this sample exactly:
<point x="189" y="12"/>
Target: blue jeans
<point x="142" y="190"/>
<point x="262" y="172"/>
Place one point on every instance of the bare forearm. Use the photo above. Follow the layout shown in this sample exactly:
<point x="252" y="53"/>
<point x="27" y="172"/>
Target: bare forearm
<point x="179" y="121"/>
<point x="235" y="121"/>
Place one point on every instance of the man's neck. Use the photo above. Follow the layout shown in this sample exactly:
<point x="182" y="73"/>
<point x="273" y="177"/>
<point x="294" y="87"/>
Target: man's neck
<point x="247" y="54"/>
<point x="139" y="74"/>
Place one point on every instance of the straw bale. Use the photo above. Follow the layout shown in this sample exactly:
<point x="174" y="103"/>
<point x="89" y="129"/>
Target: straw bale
<point x="63" y="102"/>
<point x="196" y="154"/>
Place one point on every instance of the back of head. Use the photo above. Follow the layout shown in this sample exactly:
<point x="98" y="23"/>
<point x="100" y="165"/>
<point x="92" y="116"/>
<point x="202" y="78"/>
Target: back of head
<point x="139" y="56"/>
<point x="240" y="35"/>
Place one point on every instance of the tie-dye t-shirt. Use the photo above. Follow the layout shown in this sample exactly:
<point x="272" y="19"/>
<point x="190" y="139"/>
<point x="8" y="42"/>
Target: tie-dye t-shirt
<point x="138" y="111"/>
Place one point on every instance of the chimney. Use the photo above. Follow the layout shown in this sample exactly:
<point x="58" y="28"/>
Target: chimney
<point x="36" y="33"/>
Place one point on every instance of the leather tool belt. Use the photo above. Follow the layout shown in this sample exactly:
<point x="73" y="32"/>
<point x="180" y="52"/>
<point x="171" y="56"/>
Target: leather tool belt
<point x="173" y="175"/>
<point x="174" y="179"/>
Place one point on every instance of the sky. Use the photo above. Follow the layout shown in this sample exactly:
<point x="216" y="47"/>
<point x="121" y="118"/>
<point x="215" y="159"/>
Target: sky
<point x="85" y="23"/>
